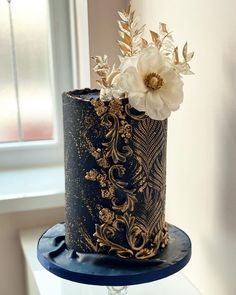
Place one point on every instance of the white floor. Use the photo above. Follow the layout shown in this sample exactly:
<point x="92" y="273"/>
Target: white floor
<point x="41" y="282"/>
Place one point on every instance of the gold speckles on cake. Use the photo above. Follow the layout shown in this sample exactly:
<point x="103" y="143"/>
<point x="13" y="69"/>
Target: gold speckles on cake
<point x="115" y="180"/>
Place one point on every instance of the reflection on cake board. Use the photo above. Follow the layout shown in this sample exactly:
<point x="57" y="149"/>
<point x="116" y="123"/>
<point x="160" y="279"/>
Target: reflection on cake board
<point x="104" y="270"/>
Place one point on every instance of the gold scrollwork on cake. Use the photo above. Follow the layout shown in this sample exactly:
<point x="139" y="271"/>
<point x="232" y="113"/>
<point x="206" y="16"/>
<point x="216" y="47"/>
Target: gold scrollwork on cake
<point x="144" y="235"/>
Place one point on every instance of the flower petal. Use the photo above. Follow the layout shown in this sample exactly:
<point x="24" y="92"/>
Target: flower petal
<point x="127" y="62"/>
<point x="154" y="100"/>
<point x="172" y="104"/>
<point x="130" y="81"/>
<point x="160" y="115"/>
<point x="172" y="94"/>
<point x="154" y="106"/>
<point x="138" y="101"/>
<point x="150" y="61"/>
<point x="164" y="113"/>
<point x="168" y="74"/>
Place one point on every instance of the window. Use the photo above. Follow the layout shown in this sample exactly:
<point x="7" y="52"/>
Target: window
<point x="39" y="55"/>
<point x="26" y="83"/>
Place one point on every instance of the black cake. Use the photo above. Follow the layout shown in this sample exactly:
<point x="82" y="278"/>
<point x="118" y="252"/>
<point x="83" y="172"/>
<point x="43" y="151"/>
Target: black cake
<point x="115" y="168"/>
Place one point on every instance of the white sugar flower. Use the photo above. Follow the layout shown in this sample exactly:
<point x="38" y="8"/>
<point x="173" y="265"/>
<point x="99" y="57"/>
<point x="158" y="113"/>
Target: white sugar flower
<point x="152" y="84"/>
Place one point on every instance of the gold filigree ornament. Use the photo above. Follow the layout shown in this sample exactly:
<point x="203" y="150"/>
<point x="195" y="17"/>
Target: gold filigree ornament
<point x="107" y="216"/>
<point x="91" y="175"/>
<point x="118" y="218"/>
<point x="99" y="107"/>
<point x="109" y="192"/>
<point x="116" y="108"/>
<point x="125" y="131"/>
<point x="111" y="120"/>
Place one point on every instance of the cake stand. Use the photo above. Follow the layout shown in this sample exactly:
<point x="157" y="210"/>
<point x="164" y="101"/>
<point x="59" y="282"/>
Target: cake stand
<point x="104" y="270"/>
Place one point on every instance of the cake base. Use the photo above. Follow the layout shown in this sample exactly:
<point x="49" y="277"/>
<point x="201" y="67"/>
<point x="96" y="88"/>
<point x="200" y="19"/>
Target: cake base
<point x="107" y="270"/>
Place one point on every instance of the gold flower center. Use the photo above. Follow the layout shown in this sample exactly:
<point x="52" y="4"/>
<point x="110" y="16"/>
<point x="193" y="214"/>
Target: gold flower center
<point x="153" y="81"/>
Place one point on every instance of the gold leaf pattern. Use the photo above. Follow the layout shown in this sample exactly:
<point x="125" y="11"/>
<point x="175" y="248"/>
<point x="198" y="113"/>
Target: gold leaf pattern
<point x="86" y="239"/>
<point x="132" y="44"/>
<point x="149" y="150"/>
<point x="164" y="28"/>
<point x="155" y="38"/>
<point x="144" y="43"/>
<point x="182" y="66"/>
<point x="107" y="74"/>
<point x="185" y="51"/>
<point x="124" y="27"/>
<point x="149" y="140"/>
<point x="130" y="33"/>
<point x="176" y="55"/>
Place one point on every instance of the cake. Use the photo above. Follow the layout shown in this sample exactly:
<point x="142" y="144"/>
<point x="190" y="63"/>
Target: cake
<point x="115" y="147"/>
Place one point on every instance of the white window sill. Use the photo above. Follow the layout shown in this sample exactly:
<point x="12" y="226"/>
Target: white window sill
<point x="29" y="189"/>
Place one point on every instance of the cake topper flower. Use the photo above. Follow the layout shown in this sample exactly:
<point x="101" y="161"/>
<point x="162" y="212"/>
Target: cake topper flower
<point x="149" y="74"/>
<point x="152" y="85"/>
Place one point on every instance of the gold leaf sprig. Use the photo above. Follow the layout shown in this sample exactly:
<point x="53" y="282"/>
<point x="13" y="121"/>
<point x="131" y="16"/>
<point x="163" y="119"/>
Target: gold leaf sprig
<point x="131" y="42"/>
<point x="167" y="40"/>
<point x="163" y="40"/>
<point x="106" y="73"/>
<point x="182" y="67"/>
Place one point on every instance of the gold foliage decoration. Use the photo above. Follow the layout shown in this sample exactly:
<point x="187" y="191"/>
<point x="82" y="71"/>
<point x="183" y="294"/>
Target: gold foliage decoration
<point x="149" y="181"/>
<point x="131" y="42"/>
<point x="149" y="142"/>
<point x="104" y="234"/>
<point x="163" y="39"/>
<point x="183" y="67"/>
<point x="106" y="73"/>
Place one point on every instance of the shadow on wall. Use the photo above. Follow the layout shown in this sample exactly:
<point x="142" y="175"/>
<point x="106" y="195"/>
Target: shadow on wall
<point x="223" y="251"/>
<point x="227" y="140"/>
<point x="220" y="241"/>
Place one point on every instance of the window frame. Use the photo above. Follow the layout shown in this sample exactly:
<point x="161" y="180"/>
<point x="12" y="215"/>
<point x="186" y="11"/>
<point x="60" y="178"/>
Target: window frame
<point x="70" y="68"/>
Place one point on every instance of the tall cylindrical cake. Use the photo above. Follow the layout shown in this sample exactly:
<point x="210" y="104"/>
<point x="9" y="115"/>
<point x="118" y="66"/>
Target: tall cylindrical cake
<point x="115" y="167"/>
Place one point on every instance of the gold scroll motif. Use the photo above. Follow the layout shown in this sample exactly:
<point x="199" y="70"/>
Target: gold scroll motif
<point x="148" y="232"/>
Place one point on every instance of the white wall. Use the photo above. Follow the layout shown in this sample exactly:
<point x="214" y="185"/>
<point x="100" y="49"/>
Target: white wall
<point x="103" y="29"/>
<point x="12" y="276"/>
<point x="201" y="194"/>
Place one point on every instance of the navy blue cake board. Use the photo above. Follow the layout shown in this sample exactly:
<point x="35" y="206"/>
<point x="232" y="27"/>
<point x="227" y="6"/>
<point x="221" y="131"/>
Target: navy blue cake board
<point x="107" y="270"/>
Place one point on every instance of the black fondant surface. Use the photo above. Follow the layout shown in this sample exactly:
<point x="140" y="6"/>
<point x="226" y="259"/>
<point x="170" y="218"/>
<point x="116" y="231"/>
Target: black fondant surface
<point x="97" y="269"/>
<point x="83" y="197"/>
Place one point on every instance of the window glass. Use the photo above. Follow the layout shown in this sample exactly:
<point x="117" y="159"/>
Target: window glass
<point x="25" y="77"/>
<point x="8" y="110"/>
